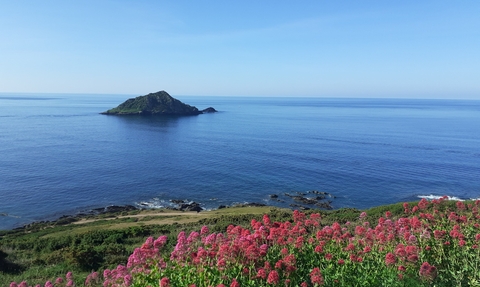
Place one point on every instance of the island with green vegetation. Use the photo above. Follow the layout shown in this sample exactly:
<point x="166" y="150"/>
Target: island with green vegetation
<point x="425" y="243"/>
<point x="159" y="103"/>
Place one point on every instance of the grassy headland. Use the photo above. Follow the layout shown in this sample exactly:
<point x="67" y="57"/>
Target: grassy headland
<point x="46" y="251"/>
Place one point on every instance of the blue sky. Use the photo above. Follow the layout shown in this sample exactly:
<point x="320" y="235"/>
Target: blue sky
<point x="414" y="49"/>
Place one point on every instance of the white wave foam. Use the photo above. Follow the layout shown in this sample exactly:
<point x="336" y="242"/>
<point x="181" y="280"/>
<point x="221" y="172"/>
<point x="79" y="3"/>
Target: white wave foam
<point x="154" y="204"/>
<point x="431" y="197"/>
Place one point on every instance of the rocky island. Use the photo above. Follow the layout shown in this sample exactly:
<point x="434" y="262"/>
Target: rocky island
<point x="159" y="103"/>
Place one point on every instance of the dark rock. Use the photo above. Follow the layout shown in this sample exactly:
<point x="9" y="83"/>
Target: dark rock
<point x="190" y="207"/>
<point x="318" y="200"/>
<point x="222" y="207"/>
<point x="103" y="210"/>
<point x="159" y="103"/>
<point x="116" y="208"/>
<point x="209" y="110"/>
<point x="324" y="205"/>
<point x="304" y="200"/>
<point x="273" y="196"/>
<point x="322" y="193"/>
<point x="301" y="199"/>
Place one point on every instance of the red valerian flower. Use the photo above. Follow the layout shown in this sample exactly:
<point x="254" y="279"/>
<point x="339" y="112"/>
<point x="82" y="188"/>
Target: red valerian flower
<point x="439" y="234"/>
<point x="460" y="205"/>
<point x="423" y="203"/>
<point x="261" y="273"/>
<point x="359" y="230"/>
<point x="350" y="247"/>
<point x="390" y="259"/>
<point x="316" y="276"/>
<point x="427" y="272"/>
<point x="273" y="277"/>
<point x="405" y="207"/>
<point x="164" y="282"/>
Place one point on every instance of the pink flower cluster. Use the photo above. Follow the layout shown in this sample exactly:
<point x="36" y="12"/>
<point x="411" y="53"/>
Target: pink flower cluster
<point x="59" y="282"/>
<point x="306" y="253"/>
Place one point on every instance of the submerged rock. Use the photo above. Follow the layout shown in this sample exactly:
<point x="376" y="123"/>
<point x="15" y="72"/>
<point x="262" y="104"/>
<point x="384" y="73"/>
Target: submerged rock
<point x="159" y="103"/>
<point x="317" y="201"/>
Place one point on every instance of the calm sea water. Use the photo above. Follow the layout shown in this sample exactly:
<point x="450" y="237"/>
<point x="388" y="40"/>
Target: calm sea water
<point x="58" y="155"/>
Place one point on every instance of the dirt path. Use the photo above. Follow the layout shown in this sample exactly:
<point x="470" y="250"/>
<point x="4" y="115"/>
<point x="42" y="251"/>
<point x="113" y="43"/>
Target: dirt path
<point x="141" y="215"/>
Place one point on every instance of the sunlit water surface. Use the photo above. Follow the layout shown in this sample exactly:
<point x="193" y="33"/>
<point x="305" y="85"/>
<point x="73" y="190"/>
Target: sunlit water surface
<point x="58" y="155"/>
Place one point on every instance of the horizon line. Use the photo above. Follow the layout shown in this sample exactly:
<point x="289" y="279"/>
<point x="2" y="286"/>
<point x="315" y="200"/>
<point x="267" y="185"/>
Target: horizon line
<point x="405" y="97"/>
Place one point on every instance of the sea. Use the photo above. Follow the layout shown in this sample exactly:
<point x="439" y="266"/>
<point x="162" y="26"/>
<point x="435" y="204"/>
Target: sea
<point x="60" y="156"/>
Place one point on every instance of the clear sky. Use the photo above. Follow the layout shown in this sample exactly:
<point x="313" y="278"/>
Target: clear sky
<point x="415" y="49"/>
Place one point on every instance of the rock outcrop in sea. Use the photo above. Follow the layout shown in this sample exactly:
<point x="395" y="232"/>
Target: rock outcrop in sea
<point x="159" y="103"/>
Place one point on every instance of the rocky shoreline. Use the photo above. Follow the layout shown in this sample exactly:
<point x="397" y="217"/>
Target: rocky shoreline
<point x="307" y="200"/>
<point x="312" y="199"/>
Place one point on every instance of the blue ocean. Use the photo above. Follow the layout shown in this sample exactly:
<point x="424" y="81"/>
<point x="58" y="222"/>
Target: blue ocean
<point x="59" y="156"/>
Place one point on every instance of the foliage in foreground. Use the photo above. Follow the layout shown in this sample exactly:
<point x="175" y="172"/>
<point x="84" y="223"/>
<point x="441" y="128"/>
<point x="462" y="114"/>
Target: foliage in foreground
<point x="44" y="251"/>
<point x="432" y="244"/>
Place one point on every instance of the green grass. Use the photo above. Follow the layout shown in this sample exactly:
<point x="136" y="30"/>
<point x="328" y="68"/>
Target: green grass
<point x="45" y="251"/>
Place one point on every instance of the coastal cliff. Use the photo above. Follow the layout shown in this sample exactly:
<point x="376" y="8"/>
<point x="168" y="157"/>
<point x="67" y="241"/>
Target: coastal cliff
<point x="159" y="103"/>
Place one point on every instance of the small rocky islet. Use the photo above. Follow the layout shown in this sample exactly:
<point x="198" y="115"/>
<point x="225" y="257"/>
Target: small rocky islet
<point x="159" y="103"/>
